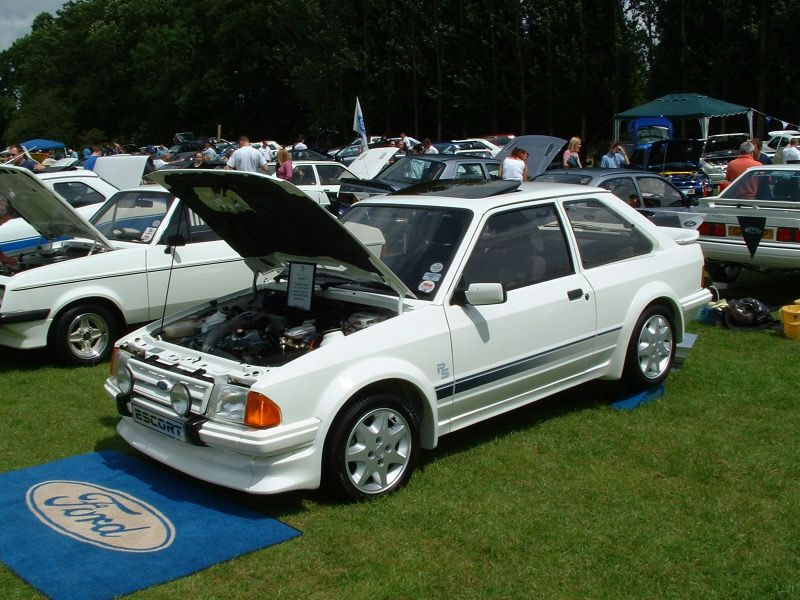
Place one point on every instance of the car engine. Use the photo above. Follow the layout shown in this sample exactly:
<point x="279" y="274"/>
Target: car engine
<point x="268" y="332"/>
<point x="46" y="254"/>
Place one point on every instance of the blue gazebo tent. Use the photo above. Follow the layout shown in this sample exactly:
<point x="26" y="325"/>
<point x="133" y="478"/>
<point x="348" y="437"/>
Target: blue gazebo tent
<point x="42" y="145"/>
<point x="685" y="106"/>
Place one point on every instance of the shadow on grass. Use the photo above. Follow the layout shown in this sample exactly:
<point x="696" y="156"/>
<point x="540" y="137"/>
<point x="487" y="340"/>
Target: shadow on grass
<point x="774" y="290"/>
<point x="290" y="504"/>
<point x="12" y="359"/>
<point x="587" y="395"/>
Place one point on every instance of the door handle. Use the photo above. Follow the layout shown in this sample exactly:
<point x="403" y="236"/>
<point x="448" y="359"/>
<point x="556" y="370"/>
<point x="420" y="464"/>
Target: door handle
<point x="575" y="294"/>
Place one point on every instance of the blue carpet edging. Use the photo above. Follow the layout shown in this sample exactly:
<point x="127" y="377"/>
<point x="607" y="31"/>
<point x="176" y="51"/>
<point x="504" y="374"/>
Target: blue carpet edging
<point x="631" y="401"/>
<point x="105" y="524"/>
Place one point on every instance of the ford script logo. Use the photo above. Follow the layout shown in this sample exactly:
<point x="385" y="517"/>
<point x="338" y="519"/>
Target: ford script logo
<point x="753" y="230"/>
<point x="163" y="385"/>
<point x="100" y="516"/>
<point x="689" y="224"/>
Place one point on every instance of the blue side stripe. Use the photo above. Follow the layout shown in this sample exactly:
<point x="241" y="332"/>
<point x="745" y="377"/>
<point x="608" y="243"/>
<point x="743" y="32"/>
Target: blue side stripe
<point x="513" y="368"/>
<point x="28" y="243"/>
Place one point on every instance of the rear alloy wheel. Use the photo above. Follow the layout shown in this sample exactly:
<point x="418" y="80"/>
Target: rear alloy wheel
<point x="372" y="447"/>
<point x="84" y="335"/>
<point x="651" y="351"/>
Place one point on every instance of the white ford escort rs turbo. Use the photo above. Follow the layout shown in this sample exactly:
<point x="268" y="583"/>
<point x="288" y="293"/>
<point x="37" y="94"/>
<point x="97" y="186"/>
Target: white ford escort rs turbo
<point x="411" y="318"/>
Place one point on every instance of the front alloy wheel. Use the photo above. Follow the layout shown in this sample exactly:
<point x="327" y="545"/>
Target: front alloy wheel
<point x="372" y="447"/>
<point x="84" y="335"/>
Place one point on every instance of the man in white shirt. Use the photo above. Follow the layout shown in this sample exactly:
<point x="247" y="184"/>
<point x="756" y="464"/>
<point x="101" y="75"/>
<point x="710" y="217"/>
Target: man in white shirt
<point x="428" y="147"/>
<point x="791" y="152"/>
<point x="246" y="158"/>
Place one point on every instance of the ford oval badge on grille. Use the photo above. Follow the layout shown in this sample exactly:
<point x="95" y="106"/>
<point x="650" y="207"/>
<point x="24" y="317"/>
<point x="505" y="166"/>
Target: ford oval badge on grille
<point x="163" y="385"/>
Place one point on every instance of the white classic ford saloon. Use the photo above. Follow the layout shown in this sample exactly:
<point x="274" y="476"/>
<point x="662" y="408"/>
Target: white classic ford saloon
<point x="78" y="291"/>
<point x="411" y="318"/>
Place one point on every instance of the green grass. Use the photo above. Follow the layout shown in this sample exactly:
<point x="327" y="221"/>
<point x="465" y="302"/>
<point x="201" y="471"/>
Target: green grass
<point x="694" y="495"/>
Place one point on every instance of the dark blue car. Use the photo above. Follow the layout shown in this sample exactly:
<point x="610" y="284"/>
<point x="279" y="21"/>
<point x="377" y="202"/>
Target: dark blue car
<point x="679" y="162"/>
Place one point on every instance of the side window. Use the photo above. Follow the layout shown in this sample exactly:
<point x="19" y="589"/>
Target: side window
<point x="603" y="236"/>
<point x="303" y="175"/>
<point x="77" y="193"/>
<point x="469" y="171"/>
<point x="657" y="192"/>
<point x="190" y="226"/>
<point x="520" y="248"/>
<point x="330" y="174"/>
<point x="623" y="188"/>
<point x="494" y="170"/>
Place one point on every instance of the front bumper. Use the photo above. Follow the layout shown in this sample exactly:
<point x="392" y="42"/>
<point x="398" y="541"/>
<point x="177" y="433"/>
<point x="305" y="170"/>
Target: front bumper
<point x="257" y="461"/>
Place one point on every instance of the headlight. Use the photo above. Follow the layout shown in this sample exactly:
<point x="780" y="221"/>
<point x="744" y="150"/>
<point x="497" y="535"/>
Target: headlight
<point x="180" y="399"/>
<point x="228" y="402"/>
<point x="122" y="373"/>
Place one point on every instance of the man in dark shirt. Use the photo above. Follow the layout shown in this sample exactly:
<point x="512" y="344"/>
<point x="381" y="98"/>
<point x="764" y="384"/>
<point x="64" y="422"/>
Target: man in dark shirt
<point x="18" y="159"/>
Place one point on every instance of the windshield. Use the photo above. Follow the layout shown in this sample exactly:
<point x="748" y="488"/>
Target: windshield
<point x="765" y="184"/>
<point x="132" y="216"/>
<point x="412" y="169"/>
<point x="563" y="178"/>
<point x="417" y="244"/>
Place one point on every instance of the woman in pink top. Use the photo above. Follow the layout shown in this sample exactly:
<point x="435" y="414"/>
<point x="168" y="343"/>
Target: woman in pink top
<point x="284" y="165"/>
<point x="571" y="159"/>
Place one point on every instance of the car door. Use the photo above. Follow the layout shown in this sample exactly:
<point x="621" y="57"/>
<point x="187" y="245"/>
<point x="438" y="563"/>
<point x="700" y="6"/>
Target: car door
<point x="540" y="337"/>
<point x="205" y="267"/>
<point x="329" y="177"/>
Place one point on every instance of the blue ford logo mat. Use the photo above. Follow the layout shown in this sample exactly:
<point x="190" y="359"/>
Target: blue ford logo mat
<point x="104" y="524"/>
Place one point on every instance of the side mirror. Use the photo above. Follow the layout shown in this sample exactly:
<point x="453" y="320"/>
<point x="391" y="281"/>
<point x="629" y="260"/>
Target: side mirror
<point x="173" y="241"/>
<point x="480" y="294"/>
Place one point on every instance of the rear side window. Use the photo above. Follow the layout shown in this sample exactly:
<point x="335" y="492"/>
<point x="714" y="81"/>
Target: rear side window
<point x="622" y="188"/>
<point x="603" y="236"/>
<point x="77" y="193"/>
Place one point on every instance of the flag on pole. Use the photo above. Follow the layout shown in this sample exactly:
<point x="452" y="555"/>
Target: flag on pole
<point x="358" y="124"/>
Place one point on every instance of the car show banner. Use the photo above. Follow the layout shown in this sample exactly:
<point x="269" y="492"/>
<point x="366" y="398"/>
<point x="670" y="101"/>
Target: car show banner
<point x="752" y="232"/>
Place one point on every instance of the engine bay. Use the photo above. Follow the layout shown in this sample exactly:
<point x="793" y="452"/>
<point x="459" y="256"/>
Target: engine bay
<point x="265" y="331"/>
<point x="38" y="256"/>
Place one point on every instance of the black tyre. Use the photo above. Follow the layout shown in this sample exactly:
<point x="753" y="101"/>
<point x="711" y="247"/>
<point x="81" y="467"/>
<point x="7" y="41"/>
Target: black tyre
<point x="372" y="448"/>
<point x="84" y="335"/>
<point x="724" y="272"/>
<point x="651" y="350"/>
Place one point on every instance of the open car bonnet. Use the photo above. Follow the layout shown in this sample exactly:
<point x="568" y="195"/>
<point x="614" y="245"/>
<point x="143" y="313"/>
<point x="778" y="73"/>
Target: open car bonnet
<point x="671" y="156"/>
<point x="542" y="149"/>
<point x="46" y="212"/>
<point x="271" y="223"/>
<point x="368" y="164"/>
<point x="123" y="171"/>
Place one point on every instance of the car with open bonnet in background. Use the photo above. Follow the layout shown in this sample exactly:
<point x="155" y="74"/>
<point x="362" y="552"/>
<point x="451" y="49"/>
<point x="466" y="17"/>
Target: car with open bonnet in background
<point x="412" y="317"/>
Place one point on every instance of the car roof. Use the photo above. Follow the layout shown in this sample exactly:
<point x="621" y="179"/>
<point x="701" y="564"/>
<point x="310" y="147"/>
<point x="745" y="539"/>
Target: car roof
<point x="69" y="173"/>
<point x="528" y="191"/>
<point x="590" y="172"/>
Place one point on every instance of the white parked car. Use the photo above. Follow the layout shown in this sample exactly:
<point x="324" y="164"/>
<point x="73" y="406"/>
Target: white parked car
<point x="411" y="318"/>
<point x="85" y="190"/>
<point x="479" y="144"/>
<point x="143" y="253"/>
<point x="753" y="223"/>
<point x="320" y="179"/>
